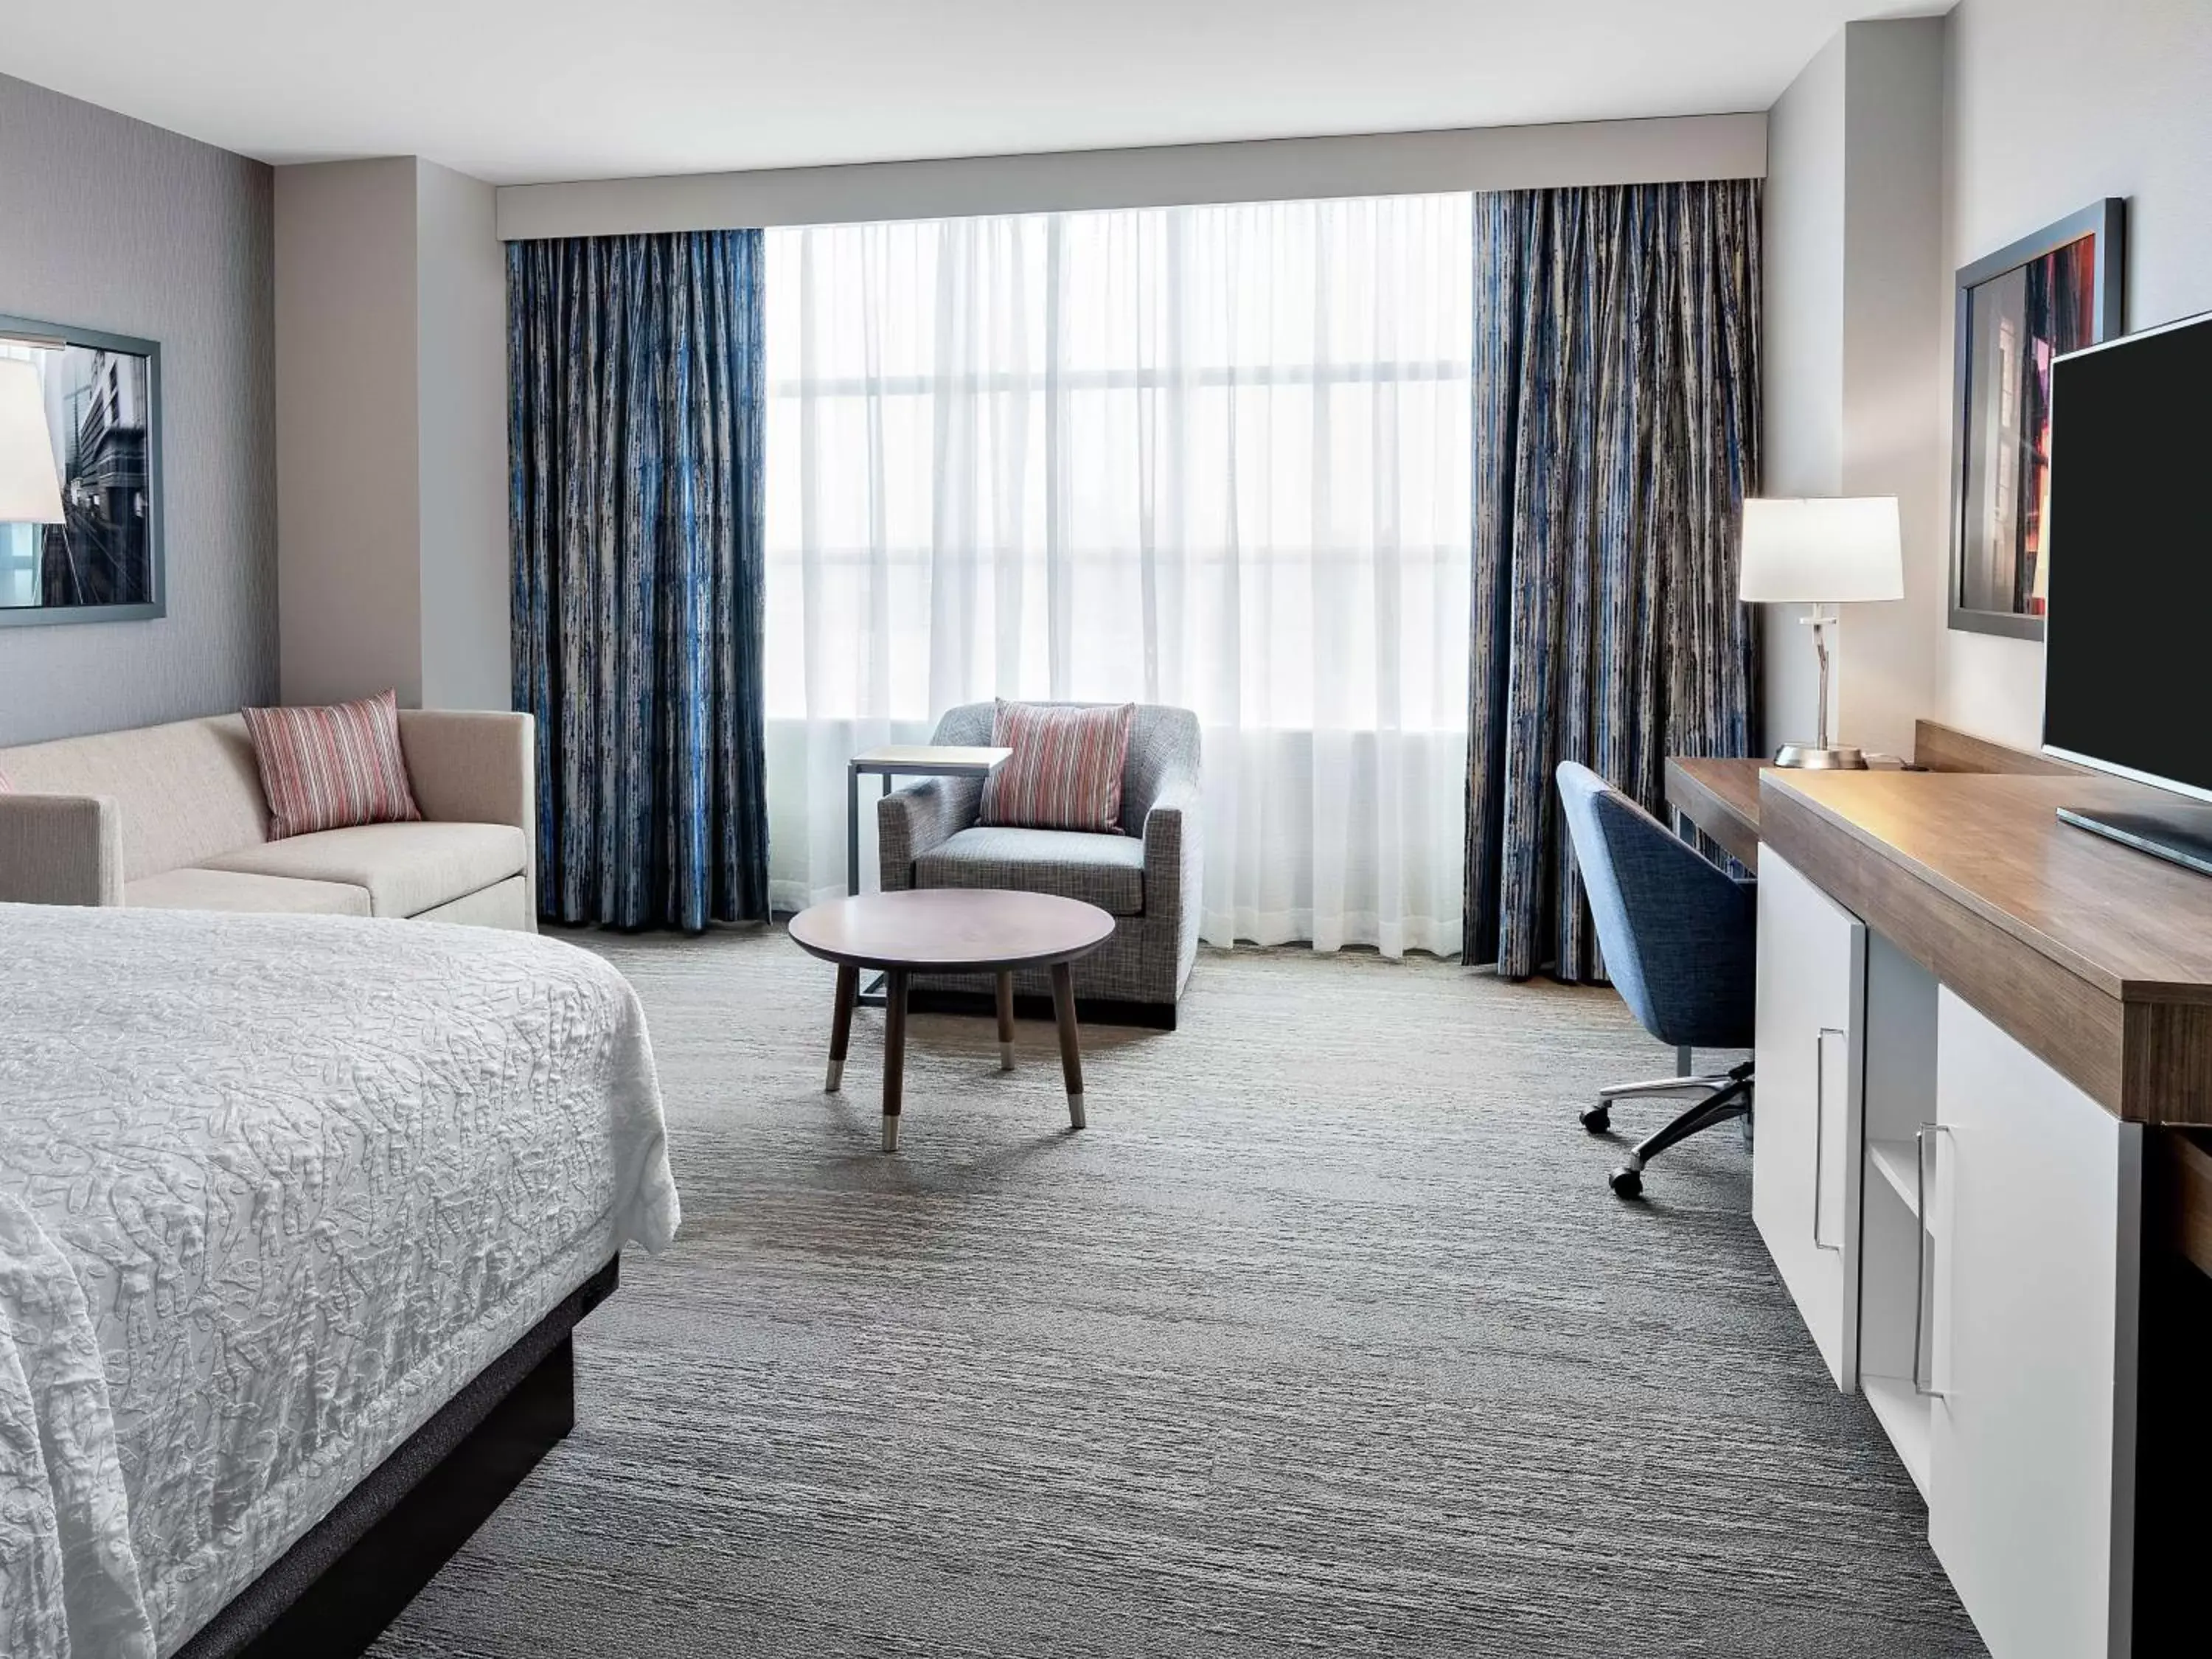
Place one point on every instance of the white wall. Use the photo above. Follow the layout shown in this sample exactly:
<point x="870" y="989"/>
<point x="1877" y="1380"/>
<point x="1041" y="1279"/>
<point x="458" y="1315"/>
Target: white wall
<point x="1283" y="169"/>
<point x="392" y="402"/>
<point x="1853" y="221"/>
<point x="349" y="487"/>
<point x="106" y="222"/>
<point x="1802" y="394"/>
<point x="2049" y="106"/>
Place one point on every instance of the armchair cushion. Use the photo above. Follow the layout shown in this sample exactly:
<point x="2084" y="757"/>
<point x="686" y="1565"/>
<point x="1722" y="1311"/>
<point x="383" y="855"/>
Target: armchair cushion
<point x="1106" y="871"/>
<point x="1066" y="770"/>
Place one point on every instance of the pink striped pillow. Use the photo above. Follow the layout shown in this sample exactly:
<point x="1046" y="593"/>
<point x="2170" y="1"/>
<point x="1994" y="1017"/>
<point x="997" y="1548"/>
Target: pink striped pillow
<point x="329" y="768"/>
<point x="1066" y="770"/>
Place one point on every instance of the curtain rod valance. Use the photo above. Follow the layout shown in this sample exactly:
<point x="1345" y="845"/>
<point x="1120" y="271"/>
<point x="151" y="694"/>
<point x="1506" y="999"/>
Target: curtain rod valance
<point x="1659" y="151"/>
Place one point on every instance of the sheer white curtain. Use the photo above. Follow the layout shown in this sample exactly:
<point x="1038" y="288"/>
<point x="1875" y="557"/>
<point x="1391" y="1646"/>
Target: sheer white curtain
<point x="1215" y="457"/>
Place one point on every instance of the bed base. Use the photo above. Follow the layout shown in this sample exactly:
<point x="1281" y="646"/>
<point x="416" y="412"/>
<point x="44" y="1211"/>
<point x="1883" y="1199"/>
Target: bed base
<point x="332" y="1592"/>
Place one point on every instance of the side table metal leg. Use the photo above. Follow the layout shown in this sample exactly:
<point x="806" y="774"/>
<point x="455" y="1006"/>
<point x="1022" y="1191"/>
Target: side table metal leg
<point x="1005" y="1022"/>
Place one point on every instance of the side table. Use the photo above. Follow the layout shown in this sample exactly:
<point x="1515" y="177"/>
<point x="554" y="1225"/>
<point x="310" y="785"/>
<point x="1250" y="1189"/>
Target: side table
<point x="904" y="760"/>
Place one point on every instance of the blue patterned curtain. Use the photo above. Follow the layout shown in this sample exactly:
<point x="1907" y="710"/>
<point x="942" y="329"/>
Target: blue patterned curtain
<point x="634" y="374"/>
<point x="1616" y="434"/>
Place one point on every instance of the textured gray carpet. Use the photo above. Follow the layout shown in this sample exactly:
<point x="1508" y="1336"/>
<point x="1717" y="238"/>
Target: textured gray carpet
<point x="1326" y="1336"/>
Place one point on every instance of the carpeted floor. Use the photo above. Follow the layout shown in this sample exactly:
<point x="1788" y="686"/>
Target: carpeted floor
<point x="1327" y="1337"/>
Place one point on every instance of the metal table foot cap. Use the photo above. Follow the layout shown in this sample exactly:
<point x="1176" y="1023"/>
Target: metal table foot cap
<point x="836" y="1078"/>
<point x="1075" y="1111"/>
<point x="890" y="1134"/>
<point x="1005" y="1056"/>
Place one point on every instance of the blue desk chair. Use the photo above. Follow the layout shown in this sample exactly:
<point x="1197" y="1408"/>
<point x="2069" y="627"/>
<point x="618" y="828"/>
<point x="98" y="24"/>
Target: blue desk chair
<point x="1680" y="942"/>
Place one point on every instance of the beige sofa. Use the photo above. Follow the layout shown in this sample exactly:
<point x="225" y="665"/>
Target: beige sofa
<point x="172" y="818"/>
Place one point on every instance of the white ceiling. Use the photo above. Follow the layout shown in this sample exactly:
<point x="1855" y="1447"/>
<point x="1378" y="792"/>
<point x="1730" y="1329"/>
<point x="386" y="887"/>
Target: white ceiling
<point x="526" y="90"/>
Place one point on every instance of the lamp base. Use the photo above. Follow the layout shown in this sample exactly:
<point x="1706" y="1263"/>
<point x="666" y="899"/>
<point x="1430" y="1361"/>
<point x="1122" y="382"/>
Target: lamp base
<point x="1842" y="757"/>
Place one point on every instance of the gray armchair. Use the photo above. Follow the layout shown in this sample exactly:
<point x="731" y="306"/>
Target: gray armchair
<point x="1147" y="879"/>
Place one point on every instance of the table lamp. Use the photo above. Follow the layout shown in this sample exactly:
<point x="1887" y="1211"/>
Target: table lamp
<point x="30" y="487"/>
<point x="1821" y="554"/>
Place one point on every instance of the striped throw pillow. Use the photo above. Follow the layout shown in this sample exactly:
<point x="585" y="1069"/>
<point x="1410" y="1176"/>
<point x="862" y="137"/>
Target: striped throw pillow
<point x="1066" y="770"/>
<point x="333" y="767"/>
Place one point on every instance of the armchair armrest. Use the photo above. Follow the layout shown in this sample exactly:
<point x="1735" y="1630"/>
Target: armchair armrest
<point x="1175" y="858"/>
<point x="909" y="820"/>
<point x="475" y="766"/>
<point x="61" y="849"/>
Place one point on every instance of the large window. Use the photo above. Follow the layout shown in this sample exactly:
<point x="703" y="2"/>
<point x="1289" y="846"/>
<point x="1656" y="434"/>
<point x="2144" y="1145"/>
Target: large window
<point x="1216" y="457"/>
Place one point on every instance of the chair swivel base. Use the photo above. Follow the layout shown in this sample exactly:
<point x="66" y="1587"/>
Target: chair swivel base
<point x="1722" y="1098"/>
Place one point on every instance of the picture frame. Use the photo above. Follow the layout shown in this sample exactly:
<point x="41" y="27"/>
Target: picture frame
<point x="2016" y="311"/>
<point x="107" y="561"/>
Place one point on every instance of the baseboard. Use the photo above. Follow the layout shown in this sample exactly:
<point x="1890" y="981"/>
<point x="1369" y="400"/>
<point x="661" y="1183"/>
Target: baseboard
<point x="1088" y="1010"/>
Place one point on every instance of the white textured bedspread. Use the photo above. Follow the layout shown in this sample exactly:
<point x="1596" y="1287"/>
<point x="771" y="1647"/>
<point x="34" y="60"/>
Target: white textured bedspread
<point x="272" y="1189"/>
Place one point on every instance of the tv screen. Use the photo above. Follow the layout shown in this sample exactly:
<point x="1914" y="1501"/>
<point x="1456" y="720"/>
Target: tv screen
<point x="2128" y="662"/>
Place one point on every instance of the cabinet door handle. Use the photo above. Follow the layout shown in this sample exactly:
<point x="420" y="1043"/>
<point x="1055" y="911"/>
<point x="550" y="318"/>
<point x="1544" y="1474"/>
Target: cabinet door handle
<point x="1920" y="1145"/>
<point x="1820" y="1129"/>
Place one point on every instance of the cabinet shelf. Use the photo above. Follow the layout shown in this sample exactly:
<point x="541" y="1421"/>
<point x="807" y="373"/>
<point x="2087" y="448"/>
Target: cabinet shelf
<point x="1898" y="1161"/>
<point x="1903" y="1413"/>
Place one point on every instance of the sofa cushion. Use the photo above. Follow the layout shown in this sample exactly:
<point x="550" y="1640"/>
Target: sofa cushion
<point x="231" y="890"/>
<point x="406" y="867"/>
<point x="332" y="766"/>
<point x="1106" y="871"/>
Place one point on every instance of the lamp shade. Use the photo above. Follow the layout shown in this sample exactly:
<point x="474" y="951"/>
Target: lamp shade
<point x="1834" y="551"/>
<point x="30" y="488"/>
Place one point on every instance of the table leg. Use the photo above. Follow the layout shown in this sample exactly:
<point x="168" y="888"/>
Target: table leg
<point x="1070" y="1056"/>
<point x="894" y="1054"/>
<point x="841" y="1027"/>
<point x="852" y="828"/>
<point x="1005" y="1022"/>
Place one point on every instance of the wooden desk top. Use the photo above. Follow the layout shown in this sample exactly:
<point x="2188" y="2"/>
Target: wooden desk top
<point x="2096" y="957"/>
<point x="1721" y="797"/>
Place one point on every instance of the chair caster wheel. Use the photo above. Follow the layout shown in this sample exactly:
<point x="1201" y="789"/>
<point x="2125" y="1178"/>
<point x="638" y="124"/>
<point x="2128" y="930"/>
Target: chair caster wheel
<point x="1626" y="1183"/>
<point x="1598" y="1119"/>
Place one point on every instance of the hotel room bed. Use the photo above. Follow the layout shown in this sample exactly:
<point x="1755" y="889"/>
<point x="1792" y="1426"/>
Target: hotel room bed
<point x="273" y="1191"/>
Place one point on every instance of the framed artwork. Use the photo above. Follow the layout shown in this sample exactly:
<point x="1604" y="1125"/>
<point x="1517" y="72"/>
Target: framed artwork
<point x="2018" y="310"/>
<point x="103" y="560"/>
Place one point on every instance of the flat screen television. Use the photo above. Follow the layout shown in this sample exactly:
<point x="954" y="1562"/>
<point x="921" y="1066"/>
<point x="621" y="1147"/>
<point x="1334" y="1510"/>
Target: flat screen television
<point x="2128" y="661"/>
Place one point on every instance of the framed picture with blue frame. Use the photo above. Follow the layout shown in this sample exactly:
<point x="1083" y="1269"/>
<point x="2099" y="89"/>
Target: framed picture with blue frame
<point x="2017" y="312"/>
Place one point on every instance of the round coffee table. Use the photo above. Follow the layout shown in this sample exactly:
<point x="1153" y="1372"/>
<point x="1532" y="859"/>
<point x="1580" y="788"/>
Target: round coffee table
<point x="950" y="930"/>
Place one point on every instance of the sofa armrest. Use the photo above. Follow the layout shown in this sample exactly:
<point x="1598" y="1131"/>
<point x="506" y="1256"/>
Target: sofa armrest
<point x="912" y="820"/>
<point x="476" y="766"/>
<point x="61" y="849"/>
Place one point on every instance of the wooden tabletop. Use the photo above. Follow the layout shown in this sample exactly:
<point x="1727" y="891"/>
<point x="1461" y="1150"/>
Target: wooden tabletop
<point x="946" y="760"/>
<point x="2097" y="958"/>
<point x="1721" y="797"/>
<point x="952" y="930"/>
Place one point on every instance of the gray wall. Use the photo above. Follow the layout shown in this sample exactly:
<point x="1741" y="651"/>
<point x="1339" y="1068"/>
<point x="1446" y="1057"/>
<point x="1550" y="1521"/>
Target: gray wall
<point x="392" y="448"/>
<point x="2119" y="106"/>
<point x="106" y="222"/>
<point x="1853" y="366"/>
<point x="461" y="379"/>
<point x="1801" y="451"/>
<point x="349" y="494"/>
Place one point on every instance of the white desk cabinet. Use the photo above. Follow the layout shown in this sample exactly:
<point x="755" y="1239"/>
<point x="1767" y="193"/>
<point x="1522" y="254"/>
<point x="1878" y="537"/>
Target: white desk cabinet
<point x="1805" y="1156"/>
<point x="2035" y="1224"/>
